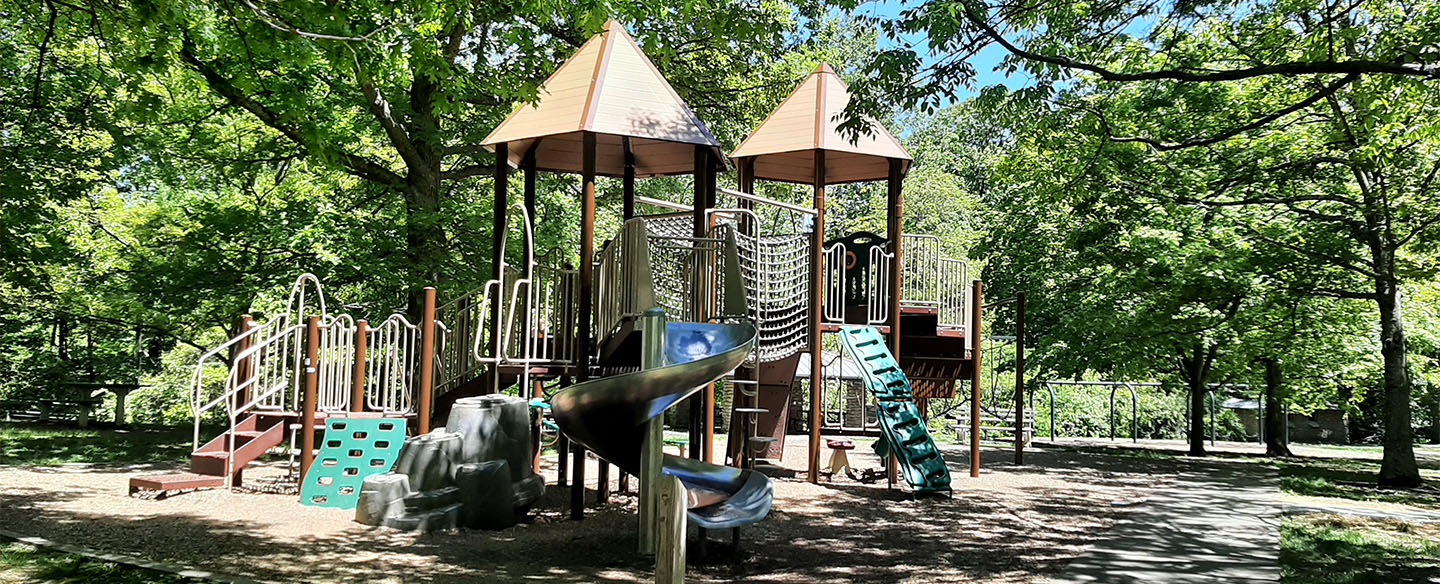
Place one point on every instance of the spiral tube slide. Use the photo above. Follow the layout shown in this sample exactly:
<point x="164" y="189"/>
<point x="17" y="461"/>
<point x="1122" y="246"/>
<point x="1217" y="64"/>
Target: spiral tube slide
<point x="609" y="416"/>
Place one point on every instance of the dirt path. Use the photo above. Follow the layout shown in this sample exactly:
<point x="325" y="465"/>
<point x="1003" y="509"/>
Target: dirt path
<point x="1014" y="524"/>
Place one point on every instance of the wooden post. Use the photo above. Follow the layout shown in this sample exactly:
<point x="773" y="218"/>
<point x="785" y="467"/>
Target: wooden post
<point x="745" y="168"/>
<point x="817" y="267"/>
<point x="587" y="306"/>
<point x="628" y="181"/>
<point x="528" y="165"/>
<point x="652" y="352"/>
<point x="427" y="360"/>
<point x="974" y="335"/>
<point x="243" y="369"/>
<point x="707" y="450"/>
<point x="357" y="380"/>
<point x="670" y="545"/>
<point x="893" y="226"/>
<point x="312" y="381"/>
<point x="497" y="220"/>
<point x="698" y="225"/>
<point x="894" y="213"/>
<point x="1020" y="379"/>
<point x="562" y="448"/>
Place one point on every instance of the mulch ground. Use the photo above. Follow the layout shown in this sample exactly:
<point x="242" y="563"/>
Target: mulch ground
<point x="1013" y="524"/>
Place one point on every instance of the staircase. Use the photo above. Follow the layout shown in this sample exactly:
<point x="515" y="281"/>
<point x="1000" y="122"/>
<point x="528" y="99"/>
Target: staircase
<point x="231" y="452"/>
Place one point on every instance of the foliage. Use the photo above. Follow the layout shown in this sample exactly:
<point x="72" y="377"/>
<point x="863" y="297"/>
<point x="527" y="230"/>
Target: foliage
<point x="28" y="563"/>
<point x="37" y="445"/>
<point x="1335" y="550"/>
<point x="1349" y="478"/>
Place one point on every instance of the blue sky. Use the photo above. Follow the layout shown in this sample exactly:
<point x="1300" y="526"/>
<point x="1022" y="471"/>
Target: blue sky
<point x="984" y="62"/>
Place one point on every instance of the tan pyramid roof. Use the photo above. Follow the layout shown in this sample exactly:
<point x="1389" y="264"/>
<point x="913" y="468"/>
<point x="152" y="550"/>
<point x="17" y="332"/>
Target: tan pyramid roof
<point x="609" y="88"/>
<point x="785" y="143"/>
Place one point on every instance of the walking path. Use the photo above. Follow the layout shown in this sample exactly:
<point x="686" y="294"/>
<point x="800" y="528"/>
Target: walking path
<point x="1217" y="522"/>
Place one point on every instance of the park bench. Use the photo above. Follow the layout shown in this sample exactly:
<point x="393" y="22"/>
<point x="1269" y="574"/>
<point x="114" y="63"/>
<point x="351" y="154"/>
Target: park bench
<point x="48" y="410"/>
<point x="1000" y="421"/>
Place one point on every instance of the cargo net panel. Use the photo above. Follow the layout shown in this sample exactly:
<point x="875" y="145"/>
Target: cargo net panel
<point x="775" y="269"/>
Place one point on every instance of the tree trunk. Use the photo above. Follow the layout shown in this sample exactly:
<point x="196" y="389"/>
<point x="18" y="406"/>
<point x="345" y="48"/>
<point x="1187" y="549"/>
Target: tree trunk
<point x="1197" y="416"/>
<point x="424" y="235"/>
<point x="1397" y="468"/>
<point x="1195" y="369"/>
<point x="1274" y="411"/>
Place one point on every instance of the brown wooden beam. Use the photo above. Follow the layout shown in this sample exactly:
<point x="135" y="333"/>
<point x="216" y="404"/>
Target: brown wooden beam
<point x="975" y="335"/>
<point x="308" y="402"/>
<point x="1020" y="379"/>
<point x="628" y="181"/>
<point x="427" y="360"/>
<point x="587" y="308"/>
<point x="817" y="266"/>
<point x="357" y="378"/>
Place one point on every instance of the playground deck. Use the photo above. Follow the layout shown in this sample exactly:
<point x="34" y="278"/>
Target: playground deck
<point x="1013" y="525"/>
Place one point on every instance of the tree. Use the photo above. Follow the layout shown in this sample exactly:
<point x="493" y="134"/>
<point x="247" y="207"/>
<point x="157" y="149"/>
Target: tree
<point x="1336" y="98"/>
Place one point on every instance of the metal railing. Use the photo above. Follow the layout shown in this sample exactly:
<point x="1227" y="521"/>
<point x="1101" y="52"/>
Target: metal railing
<point x="833" y="303"/>
<point x="392" y="364"/>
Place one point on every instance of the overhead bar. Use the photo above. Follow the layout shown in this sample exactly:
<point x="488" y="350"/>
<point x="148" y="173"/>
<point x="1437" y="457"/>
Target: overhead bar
<point x="772" y="202"/>
<point x="663" y="203"/>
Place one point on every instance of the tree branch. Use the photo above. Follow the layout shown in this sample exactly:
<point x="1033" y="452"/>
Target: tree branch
<point x="1329" y="66"/>
<point x="354" y="164"/>
<point x="281" y="25"/>
<point x="380" y="108"/>
<point x="1260" y="122"/>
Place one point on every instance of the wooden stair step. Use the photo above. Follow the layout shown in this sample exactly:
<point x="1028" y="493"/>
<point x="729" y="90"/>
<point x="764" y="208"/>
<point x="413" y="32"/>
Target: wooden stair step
<point x="174" y="482"/>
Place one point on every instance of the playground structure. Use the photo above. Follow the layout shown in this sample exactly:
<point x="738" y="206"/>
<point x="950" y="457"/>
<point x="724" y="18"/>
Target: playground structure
<point x="576" y="334"/>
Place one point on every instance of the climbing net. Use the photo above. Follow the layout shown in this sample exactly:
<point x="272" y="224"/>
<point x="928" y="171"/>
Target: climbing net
<point x="774" y="269"/>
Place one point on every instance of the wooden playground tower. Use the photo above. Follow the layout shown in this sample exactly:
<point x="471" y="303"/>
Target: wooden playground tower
<point x="607" y="111"/>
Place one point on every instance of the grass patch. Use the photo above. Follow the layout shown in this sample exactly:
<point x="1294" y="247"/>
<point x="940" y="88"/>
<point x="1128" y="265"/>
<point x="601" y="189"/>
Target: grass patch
<point x="24" y="444"/>
<point x="21" y="562"/>
<point x="1352" y="479"/>
<point x="1328" y="549"/>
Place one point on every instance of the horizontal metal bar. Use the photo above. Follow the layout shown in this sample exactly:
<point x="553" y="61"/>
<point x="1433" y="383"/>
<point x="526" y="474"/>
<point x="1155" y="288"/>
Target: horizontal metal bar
<point x="663" y="203"/>
<point x="771" y="202"/>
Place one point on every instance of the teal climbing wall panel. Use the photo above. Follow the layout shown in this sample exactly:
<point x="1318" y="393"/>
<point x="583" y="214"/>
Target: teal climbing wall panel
<point x="353" y="448"/>
<point x="903" y="431"/>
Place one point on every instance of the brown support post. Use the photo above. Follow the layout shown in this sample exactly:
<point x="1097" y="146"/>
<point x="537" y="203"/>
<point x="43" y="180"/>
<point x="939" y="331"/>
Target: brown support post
<point x="893" y="215"/>
<point x="357" y="379"/>
<point x="587" y="307"/>
<point x="708" y="451"/>
<point x="497" y="221"/>
<point x="1020" y="379"/>
<point x="562" y="448"/>
<point x="745" y="169"/>
<point x="817" y="266"/>
<point x="697" y="225"/>
<point x="628" y="181"/>
<point x="528" y="166"/>
<point x="974" y="335"/>
<point x="308" y="400"/>
<point x="894" y="212"/>
<point x="427" y="360"/>
<point x="243" y="370"/>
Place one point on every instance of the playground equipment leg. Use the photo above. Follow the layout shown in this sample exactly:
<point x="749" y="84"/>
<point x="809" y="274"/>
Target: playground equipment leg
<point x="652" y="352"/>
<point x="427" y="360"/>
<point x="1020" y="379"/>
<point x="307" y="416"/>
<point x="670" y="543"/>
<point x="975" y="349"/>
